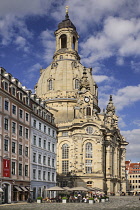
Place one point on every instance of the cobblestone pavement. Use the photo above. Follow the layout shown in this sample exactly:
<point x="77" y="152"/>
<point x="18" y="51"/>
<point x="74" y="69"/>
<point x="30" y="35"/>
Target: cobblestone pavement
<point x="119" y="203"/>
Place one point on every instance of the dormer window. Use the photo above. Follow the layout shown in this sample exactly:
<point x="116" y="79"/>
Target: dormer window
<point x="6" y="86"/>
<point x="63" y="39"/>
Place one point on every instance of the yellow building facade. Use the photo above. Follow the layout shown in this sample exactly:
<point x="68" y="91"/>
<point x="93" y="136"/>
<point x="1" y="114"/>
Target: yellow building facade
<point x="90" y="149"/>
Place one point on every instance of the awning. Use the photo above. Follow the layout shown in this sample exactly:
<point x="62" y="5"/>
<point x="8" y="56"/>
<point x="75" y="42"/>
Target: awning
<point x="28" y="188"/>
<point x="17" y="188"/>
<point x="23" y="188"/>
<point x="1" y="190"/>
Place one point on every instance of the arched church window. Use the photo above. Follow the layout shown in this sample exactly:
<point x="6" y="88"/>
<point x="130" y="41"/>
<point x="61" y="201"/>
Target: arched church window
<point x="63" y="41"/>
<point x="88" y="111"/>
<point x="77" y="84"/>
<point x="65" y="158"/>
<point x="65" y="151"/>
<point x="88" y="157"/>
<point x="88" y="150"/>
<point x="50" y="85"/>
<point x="73" y="43"/>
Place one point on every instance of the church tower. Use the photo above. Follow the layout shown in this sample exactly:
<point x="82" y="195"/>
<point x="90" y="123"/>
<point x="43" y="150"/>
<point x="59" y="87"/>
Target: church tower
<point x="90" y="149"/>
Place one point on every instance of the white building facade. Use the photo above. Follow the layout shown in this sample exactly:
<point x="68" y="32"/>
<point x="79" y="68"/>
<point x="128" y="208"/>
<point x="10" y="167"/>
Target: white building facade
<point x="43" y="152"/>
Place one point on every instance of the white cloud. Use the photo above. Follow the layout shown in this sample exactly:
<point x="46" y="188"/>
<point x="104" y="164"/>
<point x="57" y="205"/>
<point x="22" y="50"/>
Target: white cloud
<point x="22" y="8"/>
<point x="126" y="96"/>
<point x="14" y="30"/>
<point x="135" y="66"/>
<point x="137" y="122"/>
<point x="31" y="73"/>
<point x="120" y="61"/>
<point x="133" y="137"/>
<point x="101" y="78"/>
<point x="48" y="41"/>
<point x="118" y="37"/>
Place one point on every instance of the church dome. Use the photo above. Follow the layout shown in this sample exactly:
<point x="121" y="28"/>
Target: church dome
<point x="66" y="23"/>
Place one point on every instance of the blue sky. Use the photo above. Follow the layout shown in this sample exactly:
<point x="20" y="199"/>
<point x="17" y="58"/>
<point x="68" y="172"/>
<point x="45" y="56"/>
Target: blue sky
<point x="109" y="43"/>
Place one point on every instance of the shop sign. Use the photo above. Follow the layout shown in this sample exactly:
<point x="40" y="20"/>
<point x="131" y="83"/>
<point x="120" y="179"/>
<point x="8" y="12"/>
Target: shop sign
<point x="6" y="168"/>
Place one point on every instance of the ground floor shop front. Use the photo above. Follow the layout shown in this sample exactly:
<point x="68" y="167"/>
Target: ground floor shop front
<point x="14" y="191"/>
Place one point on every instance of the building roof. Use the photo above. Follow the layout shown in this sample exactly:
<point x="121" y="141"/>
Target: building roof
<point x="66" y="23"/>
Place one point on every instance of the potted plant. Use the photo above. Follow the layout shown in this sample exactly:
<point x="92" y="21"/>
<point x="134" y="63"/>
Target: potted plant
<point x="39" y="199"/>
<point x="91" y="200"/>
<point x="103" y="199"/>
<point x="64" y="199"/>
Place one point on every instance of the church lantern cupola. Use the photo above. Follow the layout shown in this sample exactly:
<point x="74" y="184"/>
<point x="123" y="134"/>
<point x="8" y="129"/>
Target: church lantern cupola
<point x="66" y="40"/>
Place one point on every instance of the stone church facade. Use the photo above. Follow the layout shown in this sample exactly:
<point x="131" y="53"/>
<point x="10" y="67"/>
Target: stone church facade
<point x="90" y="149"/>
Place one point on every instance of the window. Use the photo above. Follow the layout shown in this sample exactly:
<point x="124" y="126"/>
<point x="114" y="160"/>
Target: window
<point x="34" y="157"/>
<point x="20" y="96"/>
<point x="20" y="130"/>
<point x="34" y="173"/>
<point x="88" y="165"/>
<point x="5" y="123"/>
<point x="65" y="166"/>
<point x="44" y="128"/>
<point x="44" y="175"/>
<point x="34" y="123"/>
<point x="26" y="151"/>
<point x="52" y="162"/>
<point x="63" y="42"/>
<point x="53" y="177"/>
<point x="21" y="113"/>
<point x="13" y="91"/>
<point x="49" y="131"/>
<point x="39" y="174"/>
<point x="77" y="84"/>
<point x="49" y="161"/>
<point x="13" y="168"/>
<point x="48" y="176"/>
<point x="20" y="169"/>
<point x="44" y="160"/>
<point x="6" y="145"/>
<point x="20" y="149"/>
<point x="88" y="111"/>
<point x="14" y="109"/>
<point x="34" y="140"/>
<point x="89" y="130"/>
<point x="65" y="151"/>
<point x="50" y="85"/>
<point x="88" y="150"/>
<point x="26" y="133"/>
<point x="39" y="159"/>
<point x="53" y="133"/>
<point x="39" y="143"/>
<point x="6" y="86"/>
<point x="65" y="155"/>
<point x="13" y="147"/>
<point x="27" y="117"/>
<point x="6" y="105"/>
<point x="40" y="126"/>
<point x="49" y="146"/>
<point x="26" y="170"/>
<point x="44" y="146"/>
<point x="52" y="147"/>
<point x="13" y="127"/>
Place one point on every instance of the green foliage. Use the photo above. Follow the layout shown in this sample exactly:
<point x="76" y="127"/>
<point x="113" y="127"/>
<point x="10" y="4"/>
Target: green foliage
<point x="39" y="198"/>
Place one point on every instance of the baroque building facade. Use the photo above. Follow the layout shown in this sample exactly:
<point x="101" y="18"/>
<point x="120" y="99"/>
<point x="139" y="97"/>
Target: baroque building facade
<point x="90" y="150"/>
<point x="19" y="109"/>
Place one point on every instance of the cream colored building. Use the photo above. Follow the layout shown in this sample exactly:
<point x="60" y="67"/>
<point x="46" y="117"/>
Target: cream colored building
<point x="91" y="150"/>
